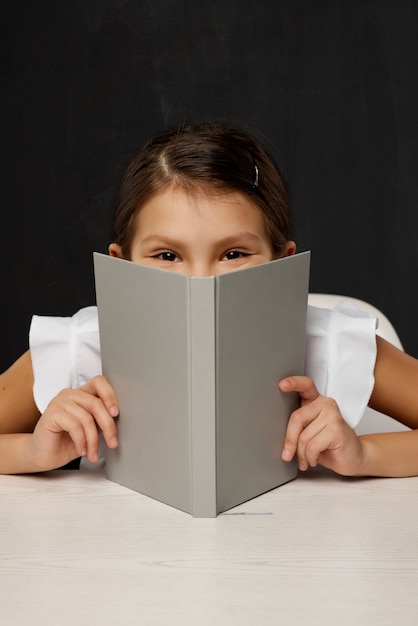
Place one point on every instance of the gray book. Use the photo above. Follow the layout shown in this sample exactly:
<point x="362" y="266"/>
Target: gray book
<point x="195" y="364"/>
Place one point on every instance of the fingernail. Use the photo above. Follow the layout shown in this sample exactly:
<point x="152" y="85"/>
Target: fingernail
<point x="286" y="455"/>
<point x="114" y="411"/>
<point x="114" y="442"/>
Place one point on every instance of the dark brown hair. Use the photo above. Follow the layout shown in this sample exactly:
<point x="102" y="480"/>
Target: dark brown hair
<point x="210" y="156"/>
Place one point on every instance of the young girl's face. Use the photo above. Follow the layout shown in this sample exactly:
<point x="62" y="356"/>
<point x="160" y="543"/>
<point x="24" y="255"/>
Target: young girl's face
<point x="200" y="234"/>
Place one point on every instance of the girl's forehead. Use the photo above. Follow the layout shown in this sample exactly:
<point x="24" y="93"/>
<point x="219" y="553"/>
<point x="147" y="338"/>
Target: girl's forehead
<point x="179" y="202"/>
<point x="175" y="210"/>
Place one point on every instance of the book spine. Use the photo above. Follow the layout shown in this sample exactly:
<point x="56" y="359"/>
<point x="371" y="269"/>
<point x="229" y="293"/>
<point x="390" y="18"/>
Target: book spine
<point x="203" y="397"/>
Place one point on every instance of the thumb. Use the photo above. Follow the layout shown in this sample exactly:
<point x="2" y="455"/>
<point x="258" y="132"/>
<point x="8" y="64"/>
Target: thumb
<point x="303" y="385"/>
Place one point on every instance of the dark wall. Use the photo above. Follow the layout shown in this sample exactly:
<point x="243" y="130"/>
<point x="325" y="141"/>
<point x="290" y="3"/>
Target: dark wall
<point x="331" y="85"/>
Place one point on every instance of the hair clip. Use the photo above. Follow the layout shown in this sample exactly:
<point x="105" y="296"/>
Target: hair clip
<point x="255" y="179"/>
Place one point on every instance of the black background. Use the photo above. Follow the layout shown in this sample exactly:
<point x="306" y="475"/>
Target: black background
<point x="330" y="86"/>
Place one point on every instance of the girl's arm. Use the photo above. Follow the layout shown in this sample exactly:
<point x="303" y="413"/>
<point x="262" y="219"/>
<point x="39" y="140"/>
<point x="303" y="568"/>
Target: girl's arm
<point x="395" y="390"/>
<point x="389" y="454"/>
<point x="395" y="394"/>
<point x="18" y="411"/>
<point x="13" y="454"/>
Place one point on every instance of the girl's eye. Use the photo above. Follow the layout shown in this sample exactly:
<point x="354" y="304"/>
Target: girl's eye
<point x="167" y="256"/>
<point x="234" y="254"/>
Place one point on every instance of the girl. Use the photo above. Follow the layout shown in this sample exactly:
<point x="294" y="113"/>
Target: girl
<point x="203" y="200"/>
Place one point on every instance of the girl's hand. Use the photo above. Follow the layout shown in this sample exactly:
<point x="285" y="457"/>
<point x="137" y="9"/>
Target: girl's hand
<point x="317" y="432"/>
<point x="70" y="425"/>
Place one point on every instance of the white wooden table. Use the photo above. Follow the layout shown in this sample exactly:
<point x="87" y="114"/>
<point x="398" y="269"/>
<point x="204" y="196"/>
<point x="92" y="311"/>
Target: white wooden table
<point x="78" y="549"/>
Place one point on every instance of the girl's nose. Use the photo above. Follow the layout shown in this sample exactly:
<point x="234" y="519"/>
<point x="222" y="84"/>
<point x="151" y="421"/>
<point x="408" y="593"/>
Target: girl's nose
<point x="202" y="269"/>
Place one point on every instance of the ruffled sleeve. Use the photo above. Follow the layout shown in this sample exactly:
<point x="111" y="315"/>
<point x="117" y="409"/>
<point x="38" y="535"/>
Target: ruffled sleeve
<point x="65" y="353"/>
<point x="341" y="355"/>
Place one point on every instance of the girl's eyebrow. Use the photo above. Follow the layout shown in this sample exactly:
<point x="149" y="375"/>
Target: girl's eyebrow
<point x="160" y="240"/>
<point x="240" y="238"/>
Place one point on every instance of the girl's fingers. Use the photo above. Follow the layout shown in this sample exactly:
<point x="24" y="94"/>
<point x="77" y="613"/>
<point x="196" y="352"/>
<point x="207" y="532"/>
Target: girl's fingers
<point x="311" y="426"/>
<point x="100" y="387"/>
<point x="82" y="415"/>
<point x="312" y="442"/>
<point x="298" y="423"/>
<point x="100" y="417"/>
<point x="60" y="421"/>
<point x="80" y="427"/>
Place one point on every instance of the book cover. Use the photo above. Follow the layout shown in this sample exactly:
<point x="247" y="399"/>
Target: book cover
<point x="195" y="364"/>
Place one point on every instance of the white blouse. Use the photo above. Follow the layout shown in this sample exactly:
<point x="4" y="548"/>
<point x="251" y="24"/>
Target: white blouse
<point x="340" y="355"/>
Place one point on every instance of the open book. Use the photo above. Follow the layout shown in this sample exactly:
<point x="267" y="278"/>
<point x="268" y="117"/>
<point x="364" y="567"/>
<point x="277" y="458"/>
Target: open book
<point x="195" y="364"/>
